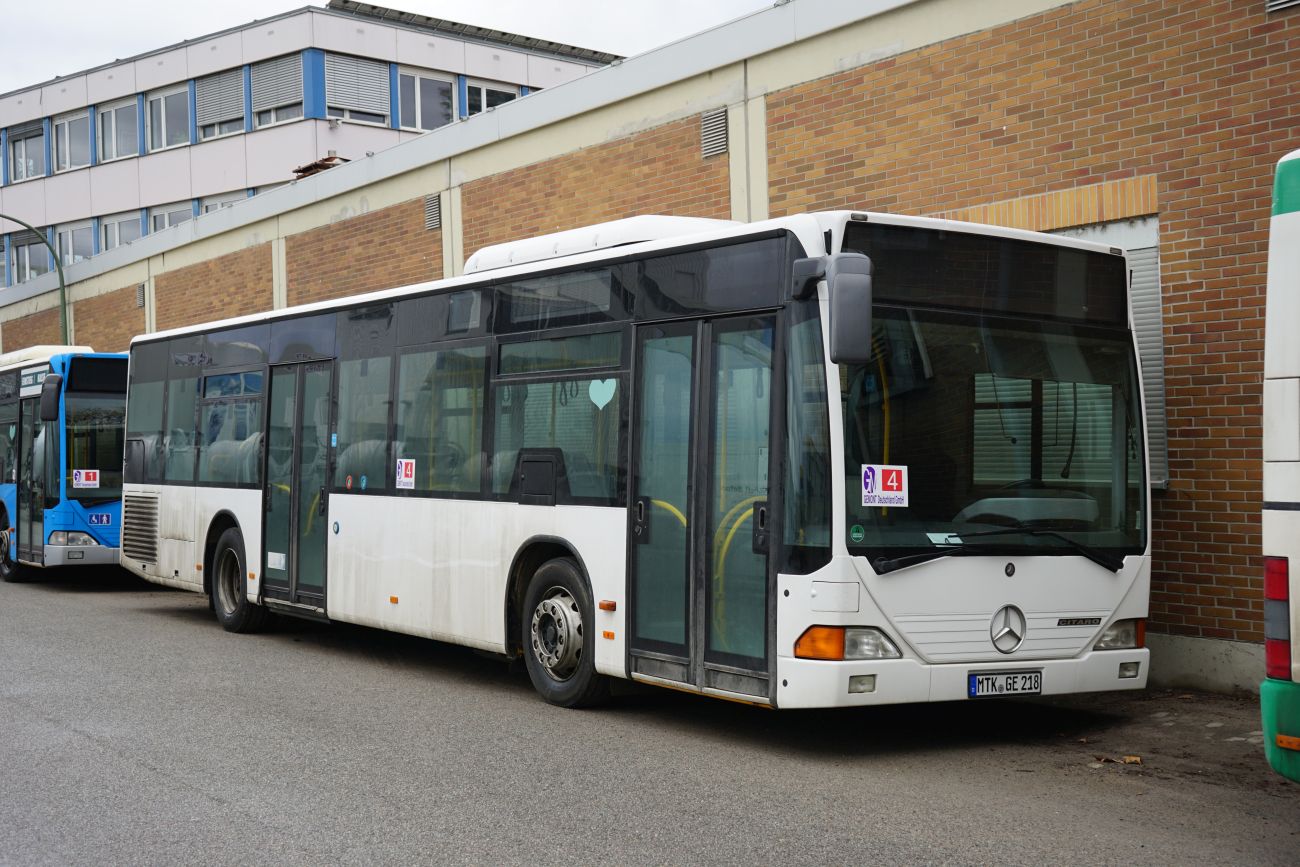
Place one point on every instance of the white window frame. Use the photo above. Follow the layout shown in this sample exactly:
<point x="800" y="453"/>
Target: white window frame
<point x="483" y="86"/>
<point x="167" y="211"/>
<point x="110" y="227"/>
<point x="65" y="240"/>
<point x="353" y="115"/>
<point x="230" y="125"/>
<point x="418" y="74"/>
<point x="226" y="200"/>
<point x="109" y="111"/>
<point x="276" y="112"/>
<point x="16" y="176"/>
<point x="63" y="143"/>
<point x="161" y="96"/>
<point x="21" y="260"/>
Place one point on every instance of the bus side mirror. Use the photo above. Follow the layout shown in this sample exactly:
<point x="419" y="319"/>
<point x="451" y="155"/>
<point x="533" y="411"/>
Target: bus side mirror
<point x="50" y="397"/>
<point x="848" y="282"/>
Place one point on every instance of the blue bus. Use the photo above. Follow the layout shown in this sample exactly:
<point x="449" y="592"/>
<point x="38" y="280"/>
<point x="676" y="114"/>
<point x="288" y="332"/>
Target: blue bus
<point x="61" y="431"/>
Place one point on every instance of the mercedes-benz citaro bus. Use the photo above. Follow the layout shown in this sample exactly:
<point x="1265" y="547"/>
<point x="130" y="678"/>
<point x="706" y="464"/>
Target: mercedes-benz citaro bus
<point x="1280" y="691"/>
<point x="830" y="459"/>
<point x="61" y="430"/>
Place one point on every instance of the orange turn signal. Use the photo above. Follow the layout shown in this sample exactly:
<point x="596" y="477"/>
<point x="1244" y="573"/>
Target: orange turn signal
<point x="392" y="599"/>
<point x="1287" y="742"/>
<point x="609" y="635"/>
<point x="820" y="642"/>
<point x="608" y="605"/>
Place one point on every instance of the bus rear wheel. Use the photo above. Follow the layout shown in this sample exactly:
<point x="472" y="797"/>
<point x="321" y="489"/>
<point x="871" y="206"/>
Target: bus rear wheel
<point x="558" y="636"/>
<point x="230" y="600"/>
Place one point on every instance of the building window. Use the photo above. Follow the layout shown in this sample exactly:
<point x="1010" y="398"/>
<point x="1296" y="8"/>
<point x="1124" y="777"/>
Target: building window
<point x="26" y="152"/>
<point x="277" y="90"/>
<point x="216" y="203"/>
<point x="166" y="216"/>
<point x="29" y="257"/>
<point x="219" y="104"/>
<point x="118" y="229"/>
<point x="72" y="142"/>
<point x="424" y="102"/>
<point x="119" y="133"/>
<point x="169" y="119"/>
<point x="479" y="96"/>
<point x="356" y="89"/>
<point x="74" y="242"/>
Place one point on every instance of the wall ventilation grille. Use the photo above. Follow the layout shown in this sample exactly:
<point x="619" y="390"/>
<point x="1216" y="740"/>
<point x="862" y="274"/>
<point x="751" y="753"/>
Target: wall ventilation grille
<point x="139" y="295"/>
<point x="713" y="132"/>
<point x="432" y="211"/>
<point x="1277" y="5"/>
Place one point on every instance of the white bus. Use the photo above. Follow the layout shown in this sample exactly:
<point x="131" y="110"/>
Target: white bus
<point x="830" y="459"/>
<point x="1280" y="691"/>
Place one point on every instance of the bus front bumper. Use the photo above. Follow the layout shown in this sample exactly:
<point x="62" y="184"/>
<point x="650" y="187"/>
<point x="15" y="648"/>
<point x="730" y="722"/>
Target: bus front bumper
<point x="1279" y="705"/>
<point x="80" y="555"/>
<point x="817" y="683"/>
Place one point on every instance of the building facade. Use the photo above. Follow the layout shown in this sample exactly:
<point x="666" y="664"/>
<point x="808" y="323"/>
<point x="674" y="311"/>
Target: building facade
<point x="104" y="157"/>
<point x="1153" y="124"/>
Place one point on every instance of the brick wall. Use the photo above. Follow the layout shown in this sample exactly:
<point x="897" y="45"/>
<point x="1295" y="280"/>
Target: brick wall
<point x="1199" y="94"/>
<point x="659" y="171"/>
<point x="235" y="284"/>
<point x="34" y="330"/>
<point x="379" y="250"/>
<point x="109" y="321"/>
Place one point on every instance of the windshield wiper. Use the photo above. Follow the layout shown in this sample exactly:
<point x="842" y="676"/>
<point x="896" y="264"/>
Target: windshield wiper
<point x="1101" y="558"/>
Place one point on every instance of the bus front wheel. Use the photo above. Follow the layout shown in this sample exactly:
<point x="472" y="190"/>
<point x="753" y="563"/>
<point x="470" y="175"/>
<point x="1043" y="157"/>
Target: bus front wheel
<point x="558" y="636"/>
<point x="11" y="570"/>
<point x="230" y="600"/>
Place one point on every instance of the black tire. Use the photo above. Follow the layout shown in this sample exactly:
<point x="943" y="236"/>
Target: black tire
<point x="229" y="598"/>
<point x="11" y="571"/>
<point x="559" y="636"/>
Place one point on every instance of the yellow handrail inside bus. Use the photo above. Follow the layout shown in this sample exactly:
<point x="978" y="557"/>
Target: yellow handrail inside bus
<point x="670" y="508"/>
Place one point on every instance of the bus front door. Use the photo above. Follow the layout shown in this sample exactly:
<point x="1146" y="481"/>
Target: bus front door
<point x="698" y="562"/>
<point x="297" y="460"/>
<point x="31" y="483"/>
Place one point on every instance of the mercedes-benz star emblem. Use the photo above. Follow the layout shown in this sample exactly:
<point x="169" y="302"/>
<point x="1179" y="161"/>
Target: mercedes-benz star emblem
<point x="1008" y="628"/>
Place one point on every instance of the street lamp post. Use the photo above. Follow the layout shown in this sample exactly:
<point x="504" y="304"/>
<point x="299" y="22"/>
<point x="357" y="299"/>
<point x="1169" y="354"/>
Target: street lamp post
<point x="58" y="266"/>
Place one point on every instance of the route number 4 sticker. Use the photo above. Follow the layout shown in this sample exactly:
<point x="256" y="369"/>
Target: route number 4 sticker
<point x="406" y="473"/>
<point x="884" y="485"/>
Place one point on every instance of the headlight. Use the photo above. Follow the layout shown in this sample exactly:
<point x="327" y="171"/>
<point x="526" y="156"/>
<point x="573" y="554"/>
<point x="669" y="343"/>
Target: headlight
<point x="63" y="537"/>
<point x="845" y="642"/>
<point x="1123" y="635"/>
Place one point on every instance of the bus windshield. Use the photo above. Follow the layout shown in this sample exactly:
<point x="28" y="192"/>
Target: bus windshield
<point x="95" y="412"/>
<point x="999" y="424"/>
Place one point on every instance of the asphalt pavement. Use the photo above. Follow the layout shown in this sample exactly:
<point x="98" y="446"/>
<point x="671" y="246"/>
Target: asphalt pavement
<point x="133" y="730"/>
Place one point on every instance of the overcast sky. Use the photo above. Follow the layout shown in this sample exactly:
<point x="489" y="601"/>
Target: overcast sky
<point x="45" y="38"/>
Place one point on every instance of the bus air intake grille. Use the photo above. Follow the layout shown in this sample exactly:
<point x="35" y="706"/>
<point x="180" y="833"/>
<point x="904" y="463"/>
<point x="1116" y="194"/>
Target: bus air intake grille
<point x="140" y="528"/>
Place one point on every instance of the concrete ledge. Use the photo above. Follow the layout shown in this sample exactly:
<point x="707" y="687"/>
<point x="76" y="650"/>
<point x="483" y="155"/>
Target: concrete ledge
<point x="1178" y="661"/>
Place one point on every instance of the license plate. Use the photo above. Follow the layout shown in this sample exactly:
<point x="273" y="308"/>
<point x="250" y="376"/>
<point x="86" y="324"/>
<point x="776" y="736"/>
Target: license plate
<point x="991" y="684"/>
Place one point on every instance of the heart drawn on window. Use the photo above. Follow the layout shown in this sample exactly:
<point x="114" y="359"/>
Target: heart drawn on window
<point x="601" y="391"/>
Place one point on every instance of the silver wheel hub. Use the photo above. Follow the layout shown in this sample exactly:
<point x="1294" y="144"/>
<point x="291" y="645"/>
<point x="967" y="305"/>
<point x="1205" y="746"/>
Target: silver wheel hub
<point x="556" y="633"/>
<point x="228" y="581"/>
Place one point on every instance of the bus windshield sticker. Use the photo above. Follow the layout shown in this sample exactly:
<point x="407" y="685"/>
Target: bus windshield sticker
<point x="601" y="391"/>
<point x="884" y="485"/>
<point x="100" y="519"/>
<point x="274" y="560"/>
<point x="85" y="478"/>
<point x="406" y="473"/>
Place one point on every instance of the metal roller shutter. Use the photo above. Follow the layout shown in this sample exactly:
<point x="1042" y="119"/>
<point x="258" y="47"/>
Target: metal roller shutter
<point x="219" y="97"/>
<point x="354" y="83"/>
<point x="1144" y="262"/>
<point x="277" y="82"/>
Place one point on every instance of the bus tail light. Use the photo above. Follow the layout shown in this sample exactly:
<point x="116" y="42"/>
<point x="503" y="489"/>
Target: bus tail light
<point x="1277" y="618"/>
<point x="845" y="642"/>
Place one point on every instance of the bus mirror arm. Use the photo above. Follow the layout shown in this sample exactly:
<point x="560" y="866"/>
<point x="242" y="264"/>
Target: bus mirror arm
<point x="50" y="397"/>
<point x="805" y="273"/>
<point x="848" y="282"/>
